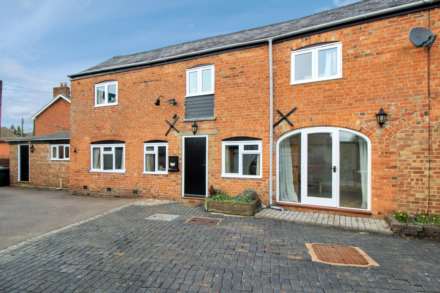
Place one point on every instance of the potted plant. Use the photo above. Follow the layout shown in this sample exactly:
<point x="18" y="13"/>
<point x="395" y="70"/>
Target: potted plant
<point x="244" y="204"/>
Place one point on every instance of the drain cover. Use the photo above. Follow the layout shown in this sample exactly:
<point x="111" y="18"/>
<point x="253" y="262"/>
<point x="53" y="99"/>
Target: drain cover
<point x="162" y="217"/>
<point x="203" y="221"/>
<point x="340" y="255"/>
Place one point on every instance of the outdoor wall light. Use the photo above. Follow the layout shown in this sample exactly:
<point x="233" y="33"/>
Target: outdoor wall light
<point x="381" y="117"/>
<point x="32" y="148"/>
<point x="172" y="102"/>
<point x="195" y="127"/>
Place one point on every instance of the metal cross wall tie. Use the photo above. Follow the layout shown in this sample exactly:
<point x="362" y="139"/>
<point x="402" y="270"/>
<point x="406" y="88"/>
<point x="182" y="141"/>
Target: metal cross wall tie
<point x="284" y="117"/>
<point x="172" y="125"/>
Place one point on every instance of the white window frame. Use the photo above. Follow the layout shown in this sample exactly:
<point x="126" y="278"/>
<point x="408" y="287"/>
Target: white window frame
<point x="155" y="152"/>
<point x="106" y="84"/>
<point x="57" y="157"/>
<point x="199" y="70"/>
<point x="102" y="146"/>
<point x="315" y="66"/>
<point x="304" y="154"/>
<point x="241" y="152"/>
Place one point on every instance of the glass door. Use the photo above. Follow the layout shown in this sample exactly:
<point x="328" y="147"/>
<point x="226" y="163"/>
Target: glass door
<point x="320" y="167"/>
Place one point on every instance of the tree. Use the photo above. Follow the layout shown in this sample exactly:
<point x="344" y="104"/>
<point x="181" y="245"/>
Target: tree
<point x="14" y="131"/>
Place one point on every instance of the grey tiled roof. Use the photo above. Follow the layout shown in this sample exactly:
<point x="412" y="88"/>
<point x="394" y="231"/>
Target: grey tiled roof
<point x="259" y="34"/>
<point x="64" y="135"/>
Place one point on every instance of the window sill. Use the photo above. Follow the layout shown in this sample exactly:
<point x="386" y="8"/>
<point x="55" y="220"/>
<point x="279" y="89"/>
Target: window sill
<point x="108" y="171"/>
<point x="315" y="80"/>
<point x="200" y="119"/>
<point x="59" y="160"/>
<point x="105" y="105"/>
<point x="230" y="176"/>
<point x="201" y="94"/>
<point x="155" y="173"/>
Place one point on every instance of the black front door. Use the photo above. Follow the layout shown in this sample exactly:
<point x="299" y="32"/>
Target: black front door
<point x="195" y="166"/>
<point x="24" y="163"/>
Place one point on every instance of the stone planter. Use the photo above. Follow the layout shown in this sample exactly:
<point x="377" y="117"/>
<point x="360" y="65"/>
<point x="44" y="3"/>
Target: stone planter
<point x="413" y="230"/>
<point x="231" y="207"/>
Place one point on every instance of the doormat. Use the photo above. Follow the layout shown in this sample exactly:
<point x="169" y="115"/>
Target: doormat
<point x="203" y="221"/>
<point x="162" y="217"/>
<point x="340" y="255"/>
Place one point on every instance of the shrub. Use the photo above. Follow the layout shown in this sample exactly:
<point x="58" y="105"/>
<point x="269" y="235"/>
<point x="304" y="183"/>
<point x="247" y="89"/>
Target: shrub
<point x="427" y="219"/>
<point x="246" y="196"/>
<point x="422" y="219"/>
<point x="402" y="217"/>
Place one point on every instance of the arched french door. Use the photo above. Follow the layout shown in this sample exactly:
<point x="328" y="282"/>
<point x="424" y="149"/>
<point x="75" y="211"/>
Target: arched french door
<point x="324" y="166"/>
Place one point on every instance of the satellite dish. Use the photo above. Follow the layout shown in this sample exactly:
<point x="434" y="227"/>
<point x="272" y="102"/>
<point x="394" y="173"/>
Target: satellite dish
<point x="421" y="37"/>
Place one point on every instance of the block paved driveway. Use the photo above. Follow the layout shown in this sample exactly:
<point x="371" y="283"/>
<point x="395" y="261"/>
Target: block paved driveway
<point x="25" y="213"/>
<point x="124" y="252"/>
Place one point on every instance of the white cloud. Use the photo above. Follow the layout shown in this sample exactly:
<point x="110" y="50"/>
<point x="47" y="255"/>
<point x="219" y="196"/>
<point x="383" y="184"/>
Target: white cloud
<point x="24" y="91"/>
<point x="27" y="89"/>
<point x="27" y="82"/>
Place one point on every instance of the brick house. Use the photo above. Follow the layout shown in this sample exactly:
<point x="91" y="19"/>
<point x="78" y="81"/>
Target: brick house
<point x="54" y="117"/>
<point x="42" y="160"/>
<point x="174" y="121"/>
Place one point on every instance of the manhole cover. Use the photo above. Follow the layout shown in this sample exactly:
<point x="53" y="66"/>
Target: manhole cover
<point x="203" y="221"/>
<point x="162" y="217"/>
<point x="340" y="255"/>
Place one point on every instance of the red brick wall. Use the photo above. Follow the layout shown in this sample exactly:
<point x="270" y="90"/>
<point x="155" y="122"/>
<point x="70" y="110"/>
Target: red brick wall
<point x="4" y="150"/>
<point x="54" y="119"/>
<point x="4" y="153"/>
<point x="380" y="69"/>
<point x="241" y="109"/>
<point x="42" y="171"/>
<point x="434" y="105"/>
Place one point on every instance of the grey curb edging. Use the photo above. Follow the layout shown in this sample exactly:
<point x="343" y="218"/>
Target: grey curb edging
<point x="47" y="234"/>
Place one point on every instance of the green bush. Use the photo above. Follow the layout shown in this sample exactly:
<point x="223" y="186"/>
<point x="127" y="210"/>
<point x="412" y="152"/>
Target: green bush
<point x="221" y="197"/>
<point x="422" y="219"/>
<point x="427" y="219"/>
<point x="402" y="217"/>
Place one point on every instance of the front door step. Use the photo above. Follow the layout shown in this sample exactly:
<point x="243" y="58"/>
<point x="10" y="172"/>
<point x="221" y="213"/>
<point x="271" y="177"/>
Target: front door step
<point x="330" y="220"/>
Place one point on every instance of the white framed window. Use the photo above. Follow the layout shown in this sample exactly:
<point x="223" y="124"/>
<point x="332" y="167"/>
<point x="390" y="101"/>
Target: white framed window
<point x="200" y="81"/>
<point x="242" y="159"/>
<point x="156" y="158"/>
<point x="107" y="158"/>
<point x="59" y="152"/>
<point x="106" y="93"/>
<point x="316" y="63"/>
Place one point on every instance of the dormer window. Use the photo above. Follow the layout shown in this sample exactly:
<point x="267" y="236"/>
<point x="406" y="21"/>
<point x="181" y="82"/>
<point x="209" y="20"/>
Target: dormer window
<point x="200" y="81"/>
<point x="106" y="94"/>
<point x="317" y="63"/>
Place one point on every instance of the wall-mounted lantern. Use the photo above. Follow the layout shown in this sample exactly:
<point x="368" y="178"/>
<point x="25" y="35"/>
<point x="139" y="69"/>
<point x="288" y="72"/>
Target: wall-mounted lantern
<point x="194" y="127"/>
<point x="172" y="101"/>
<point x="32" y="148"/>
<point x="381" y="117"/>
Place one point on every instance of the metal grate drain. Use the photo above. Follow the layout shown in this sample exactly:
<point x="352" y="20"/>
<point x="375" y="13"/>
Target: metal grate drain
<point x="203" y="221"/>
<point x="162" y="217"/>
<point x="340" y="255"/>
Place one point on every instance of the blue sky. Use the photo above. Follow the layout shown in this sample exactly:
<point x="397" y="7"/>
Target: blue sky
<point x="41" y="42"/>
